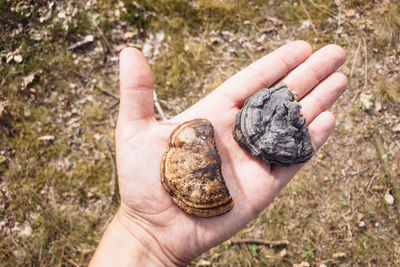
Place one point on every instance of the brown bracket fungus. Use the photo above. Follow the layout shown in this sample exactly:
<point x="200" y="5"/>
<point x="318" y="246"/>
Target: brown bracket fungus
<point x="191" y="170"/>
<point x="271" y="127"/>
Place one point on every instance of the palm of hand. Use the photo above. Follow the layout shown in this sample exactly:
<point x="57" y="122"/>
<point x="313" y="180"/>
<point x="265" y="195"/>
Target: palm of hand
<point x="141" y="141"/>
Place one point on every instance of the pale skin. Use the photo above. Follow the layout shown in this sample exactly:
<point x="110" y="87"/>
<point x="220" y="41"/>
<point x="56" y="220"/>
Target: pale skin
<point x="149" y="229"/>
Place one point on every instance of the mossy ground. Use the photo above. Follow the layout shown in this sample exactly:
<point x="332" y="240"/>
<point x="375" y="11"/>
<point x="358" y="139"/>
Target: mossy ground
<point x="57" y="177"/>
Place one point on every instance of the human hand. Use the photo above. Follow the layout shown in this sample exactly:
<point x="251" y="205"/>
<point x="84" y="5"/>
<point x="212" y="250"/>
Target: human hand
<point x="148" y="221"/>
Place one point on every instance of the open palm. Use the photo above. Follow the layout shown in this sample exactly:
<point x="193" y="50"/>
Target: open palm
<point x="147" y="211"/>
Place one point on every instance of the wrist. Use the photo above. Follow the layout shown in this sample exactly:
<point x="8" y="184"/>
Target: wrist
<point x="125" y="243"/>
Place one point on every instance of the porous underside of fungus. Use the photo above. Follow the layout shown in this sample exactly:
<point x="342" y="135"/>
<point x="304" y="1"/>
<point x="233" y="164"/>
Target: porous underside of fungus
<point x="191" y="170"/>
<point x="271" y="127"/>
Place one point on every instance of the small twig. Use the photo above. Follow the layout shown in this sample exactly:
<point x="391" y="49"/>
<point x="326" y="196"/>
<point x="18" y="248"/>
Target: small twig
<point x="109" y="47"/>
<point x="348" y="226"/>
<point x="279" y="243"/>
<point x="158" y="106"/>
<point x="87" y="40"/>
<point x="112" y="120"/>
<point x="371" y="182"/>
<point x="393" y="181"/>
<point x="309" y="18"/>
<point x="365" y="64"/>
<point x="352" y="173"/>
<point x="104" y="91"/>
<point x="71" y="261"/>
<point x="113" y="106"/>
<point x="114" y="182"/>
<point x="382" y="154"/>
<point x="353" y="64"/>
<point x="339" y="22"/>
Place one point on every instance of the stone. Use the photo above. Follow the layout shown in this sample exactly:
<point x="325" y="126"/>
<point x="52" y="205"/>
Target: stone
<point x="389" y="199"/>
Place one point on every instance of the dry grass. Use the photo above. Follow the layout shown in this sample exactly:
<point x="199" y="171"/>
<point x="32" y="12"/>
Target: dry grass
<point x="333" y="212"/>
<point x="388" y="15"/>
<point x="388" y="90"/>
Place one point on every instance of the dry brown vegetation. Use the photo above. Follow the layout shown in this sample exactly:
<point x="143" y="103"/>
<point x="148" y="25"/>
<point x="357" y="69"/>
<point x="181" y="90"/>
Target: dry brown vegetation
<point x="58" y="110"/>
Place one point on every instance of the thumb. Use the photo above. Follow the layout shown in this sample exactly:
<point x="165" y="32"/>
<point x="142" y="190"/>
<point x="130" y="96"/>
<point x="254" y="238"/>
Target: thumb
<point x="136" y="87"/>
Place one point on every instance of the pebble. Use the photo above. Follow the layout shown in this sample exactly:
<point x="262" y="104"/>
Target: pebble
<point x="389" y="199"/>
<point x="18" y="58"/>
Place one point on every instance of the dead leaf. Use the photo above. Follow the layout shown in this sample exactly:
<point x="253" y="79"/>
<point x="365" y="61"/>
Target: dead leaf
<point x="348" y="239"/>
<point x="213" y="40"/>
<point x="283" y="253"/>
<point x="378" y="188"/>
<point x="359" y="216"/>
<point x="396" y="128"/>
<point x="260" y="48"/>
<point x="46" y="138"/>
<point x="97" y="136"/>
<point x="28" y="79"/>
<point x="3" y="105"/>
<point x="339" y="255"/>
<point x="27" y="112"/>
<point x="302" y="264"/>
<point x="9" y="57"/>
<point x="203" y="262"/>
<point x="349" y="12"/>
<point x="394" y="166"/>
<point x="129" y="35"/>
<point x="2" y="159"/>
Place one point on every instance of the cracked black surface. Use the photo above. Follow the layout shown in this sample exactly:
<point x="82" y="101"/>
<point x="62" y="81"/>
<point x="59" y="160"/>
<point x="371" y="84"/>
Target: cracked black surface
<point x="271" y="127"/>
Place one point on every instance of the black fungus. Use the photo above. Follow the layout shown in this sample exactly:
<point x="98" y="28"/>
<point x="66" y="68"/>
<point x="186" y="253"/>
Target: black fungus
<point x="271" y="127"/>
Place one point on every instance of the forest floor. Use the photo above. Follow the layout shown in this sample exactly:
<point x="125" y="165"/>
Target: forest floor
<point x="59" y="102"/>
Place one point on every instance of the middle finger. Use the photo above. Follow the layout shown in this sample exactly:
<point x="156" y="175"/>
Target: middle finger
<point x="315" y="69"/>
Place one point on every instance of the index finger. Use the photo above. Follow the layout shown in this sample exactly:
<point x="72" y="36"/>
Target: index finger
<point x="264" y="72"/>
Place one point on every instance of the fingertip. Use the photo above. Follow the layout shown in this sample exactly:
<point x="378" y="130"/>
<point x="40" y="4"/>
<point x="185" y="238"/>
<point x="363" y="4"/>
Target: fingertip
<point x="330" y="119"/>
<point x="337" y="52"/>
<point x="304" y="45"/>
<point x="327" y="120"/>
<point x="321" y="128"/>
<point x="136" y="86"/>
<point x="129" y="51"/>
<point x="132" y="57"/>
<point x="342" y="82"/>
<point x="341" y="78"/>
<point x="135" y="71"/>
